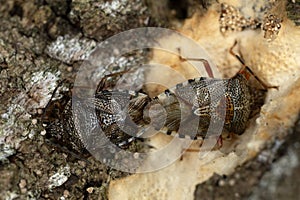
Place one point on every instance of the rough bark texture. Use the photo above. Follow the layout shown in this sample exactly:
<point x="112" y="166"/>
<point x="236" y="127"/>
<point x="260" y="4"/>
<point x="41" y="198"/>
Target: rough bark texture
<point x="38" y="39"/>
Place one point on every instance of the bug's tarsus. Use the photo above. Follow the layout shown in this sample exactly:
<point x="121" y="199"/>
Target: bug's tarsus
<point x="246" y="70"/>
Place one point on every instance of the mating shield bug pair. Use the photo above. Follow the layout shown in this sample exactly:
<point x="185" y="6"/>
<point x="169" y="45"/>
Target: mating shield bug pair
<point x="123" y="115"/>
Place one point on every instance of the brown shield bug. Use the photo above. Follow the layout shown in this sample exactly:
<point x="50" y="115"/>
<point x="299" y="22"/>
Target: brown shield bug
<point x="202" y="101"/>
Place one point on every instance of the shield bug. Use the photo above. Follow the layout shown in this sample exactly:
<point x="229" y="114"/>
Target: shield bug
<point x="227" y="104"/>
<point x="108" y="109"/>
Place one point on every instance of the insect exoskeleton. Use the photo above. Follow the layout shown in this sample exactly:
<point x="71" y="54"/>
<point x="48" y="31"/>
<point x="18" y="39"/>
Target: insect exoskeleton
<point x="189" y="110"/>
<point x="120" y="114"/>
<point x="191" y="107"/>
<point x="199" y="105"/>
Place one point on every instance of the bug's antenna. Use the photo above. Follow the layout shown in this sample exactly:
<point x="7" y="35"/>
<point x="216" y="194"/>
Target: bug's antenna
<point x="247" y="71"/>
<point x="235" y="55"/>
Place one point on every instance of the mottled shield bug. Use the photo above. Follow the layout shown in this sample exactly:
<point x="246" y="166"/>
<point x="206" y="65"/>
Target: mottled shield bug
<point x="186" y="110"/>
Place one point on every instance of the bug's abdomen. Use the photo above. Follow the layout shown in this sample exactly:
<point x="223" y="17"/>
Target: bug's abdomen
<point x="191" y="108"/>
<point x="164" y="112"/>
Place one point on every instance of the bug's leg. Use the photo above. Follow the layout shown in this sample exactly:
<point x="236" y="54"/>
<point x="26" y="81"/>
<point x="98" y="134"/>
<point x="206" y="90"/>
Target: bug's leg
<point x="205" y="63"/>
<point x="246" y="71"/>
<point x="102" y="84"/>
<point x="219" y="142"/>
<point x="67" y="151"/>
<point x="218" y="145"/>
<point x="48" y="105"/>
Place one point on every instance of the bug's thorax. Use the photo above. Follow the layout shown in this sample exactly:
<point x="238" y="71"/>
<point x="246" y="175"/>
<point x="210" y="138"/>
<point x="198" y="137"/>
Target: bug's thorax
<point x="239" y="101"/>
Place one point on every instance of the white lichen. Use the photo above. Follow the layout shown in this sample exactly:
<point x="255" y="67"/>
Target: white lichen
<point x="69" y="49"/>
<point x="112" y="8"/>
<point x="9" y="195"/>
<point x="5" y="151"/>
<point x="16" y="119"/>
<point x="60" y="177"/>
<point x="42" y="85"/>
